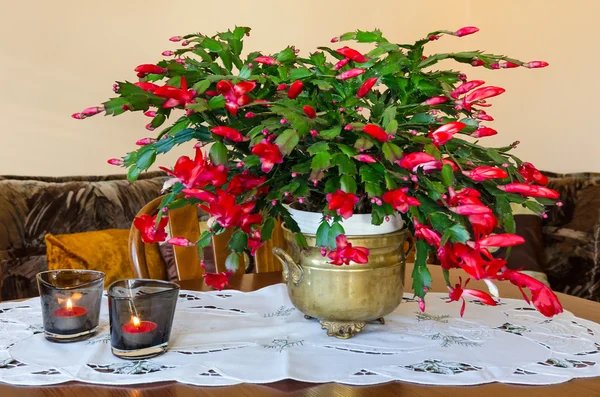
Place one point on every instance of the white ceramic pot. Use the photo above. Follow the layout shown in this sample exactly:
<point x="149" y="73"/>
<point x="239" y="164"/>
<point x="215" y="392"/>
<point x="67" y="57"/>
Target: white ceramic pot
<point x="356" y="225"/>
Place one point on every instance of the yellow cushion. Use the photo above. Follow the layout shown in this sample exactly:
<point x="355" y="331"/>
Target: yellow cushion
<point x="103" y="250"/>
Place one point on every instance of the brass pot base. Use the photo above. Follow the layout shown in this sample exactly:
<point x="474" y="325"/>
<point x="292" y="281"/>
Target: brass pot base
<point x="342" y="329"/>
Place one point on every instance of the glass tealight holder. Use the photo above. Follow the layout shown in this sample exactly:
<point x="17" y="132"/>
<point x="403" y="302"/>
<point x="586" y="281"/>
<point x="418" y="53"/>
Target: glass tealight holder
<point x="71" y="302"/>
<point x="141" y="315"/>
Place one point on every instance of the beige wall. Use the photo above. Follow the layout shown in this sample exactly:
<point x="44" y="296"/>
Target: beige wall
<point x="58" y="57"/>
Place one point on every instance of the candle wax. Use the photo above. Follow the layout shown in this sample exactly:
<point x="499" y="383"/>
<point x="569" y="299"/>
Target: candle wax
<point x="145" y="326"/>
<point x="138" y="335"/>
<point x="72" y="312"/>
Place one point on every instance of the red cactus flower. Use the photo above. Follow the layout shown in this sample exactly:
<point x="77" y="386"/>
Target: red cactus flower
<point x="266" y="60"/>
<point x="483" y="132"/>
<point x="295" y="89"/>
<point x="245" y="182"/>
<point x="366" y="87"/>
<point x="269" y="155"/>
<point x="483" y="173"/>
<point x="230" y="133"/>
<point x="226" y="211"/>
<point x="482" y="115"/>
<point x="450" y="163"/>
<point x="466" y="87"/>
<point x="254" y="242"/>
<point x="501" y="240"/>
<point x="309" y="111"/>
<point x="543" y="298"/>
<point x="458" y="293"/>
<point x="416" y="159"/>
<point x="426" y="233"/>
<point x="348" y="74"/>
<point x="530" y="190"/>
<point x="467" y="30"/>
<point x="345" y="252"/>
<point x="399" y="200"/>
<point x="465" y="196"/>
<point x="342" y="202"/>
<point x="147" y="69"/>
<point x="376" y="132"/>
<point x="535" y="64"/>
<point x="217" y="280"/>
<point x="235" y="95"/>
<point x="532" y="174"/>
<point x="470" y="209"/>
<point x="200" y="194"/>
<point x="365" y="158"/>
<point x="340" y="64"/>
<point x="198" y="172"/>
<point x="480" y="94"/>
<point x="175" y="96"/>
<point x="483" y="224"/>
<point x="352" y="54"/>
<point x="444" y="133"/>
<point x="436" y="100"/>
<point x="146" y="225"/>
<point x="181" y="242"/>
<point x="146" y="86"/>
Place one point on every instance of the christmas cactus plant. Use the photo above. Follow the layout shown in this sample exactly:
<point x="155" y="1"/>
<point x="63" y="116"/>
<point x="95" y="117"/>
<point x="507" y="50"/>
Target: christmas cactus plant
<point x="337" y="132"/>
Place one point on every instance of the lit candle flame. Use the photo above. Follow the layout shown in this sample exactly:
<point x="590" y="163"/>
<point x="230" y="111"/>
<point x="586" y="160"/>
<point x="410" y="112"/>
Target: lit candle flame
<point x="69" y="305"/>
<point x="136" y="321"/>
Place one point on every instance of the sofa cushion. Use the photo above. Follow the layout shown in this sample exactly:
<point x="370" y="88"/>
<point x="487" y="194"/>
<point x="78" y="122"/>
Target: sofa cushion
<point x="572" y="235"/>
<point x="31" y="207"/>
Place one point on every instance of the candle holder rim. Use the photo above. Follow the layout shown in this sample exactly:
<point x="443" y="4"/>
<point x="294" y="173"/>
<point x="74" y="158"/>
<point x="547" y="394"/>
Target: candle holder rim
<point x="100" y="278"/>
<point x="172" y="286"/>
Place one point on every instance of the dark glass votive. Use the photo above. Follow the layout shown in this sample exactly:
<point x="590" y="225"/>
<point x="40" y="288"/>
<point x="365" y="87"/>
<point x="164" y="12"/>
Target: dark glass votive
<point x="70" y="303"/>
<point x="141" y="315"/>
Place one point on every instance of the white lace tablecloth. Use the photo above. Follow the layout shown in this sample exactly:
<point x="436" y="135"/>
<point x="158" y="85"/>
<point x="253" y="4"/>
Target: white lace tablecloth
<point x="229" y="337"/>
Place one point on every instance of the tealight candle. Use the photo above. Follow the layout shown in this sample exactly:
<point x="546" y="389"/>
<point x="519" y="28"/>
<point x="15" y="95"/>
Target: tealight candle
<point x="138" y="333"/>
<point x="70" y="318"/>
<point x="70" y="303"/>
<point x="141" y="315"/>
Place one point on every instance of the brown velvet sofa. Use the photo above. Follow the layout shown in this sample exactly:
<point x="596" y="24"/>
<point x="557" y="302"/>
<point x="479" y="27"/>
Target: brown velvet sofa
<point x="30" y="207"/>
<point x="566" y="245"/>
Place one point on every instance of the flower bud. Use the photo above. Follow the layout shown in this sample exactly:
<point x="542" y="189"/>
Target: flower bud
<point x="168" y="53"/>
<point x="145" y="141"/>
<point x="535" y="64"/>
<point x="118" y="162"/>
<point x="149" y="127"/>
<point x="249" y="115"/>
<point x="467" y="30"/>
<point x="150" y="113"/>
<point x="176" y="39"/>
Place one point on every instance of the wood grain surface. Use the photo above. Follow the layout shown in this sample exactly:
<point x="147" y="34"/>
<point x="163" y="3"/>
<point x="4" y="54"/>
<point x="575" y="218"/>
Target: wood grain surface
<point x="589" y="387"/>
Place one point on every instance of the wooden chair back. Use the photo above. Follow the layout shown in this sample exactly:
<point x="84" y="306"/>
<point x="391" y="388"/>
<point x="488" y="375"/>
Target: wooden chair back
<point x="184" y="222"/>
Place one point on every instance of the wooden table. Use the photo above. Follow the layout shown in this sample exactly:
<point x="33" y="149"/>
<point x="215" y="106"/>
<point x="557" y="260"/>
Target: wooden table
<point x="589" y="387"/>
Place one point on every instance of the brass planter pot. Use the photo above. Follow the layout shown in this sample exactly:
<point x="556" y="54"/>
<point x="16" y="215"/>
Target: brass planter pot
<point x="344" y="298"/>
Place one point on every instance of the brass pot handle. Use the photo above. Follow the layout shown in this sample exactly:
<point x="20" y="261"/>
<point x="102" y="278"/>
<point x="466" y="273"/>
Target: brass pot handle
<point x="290" y="267"/>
